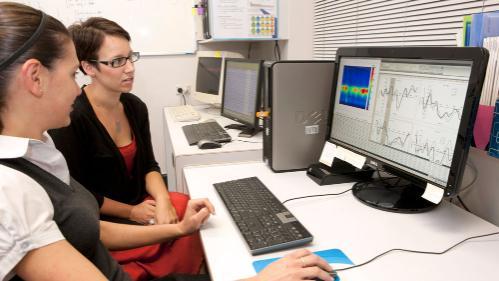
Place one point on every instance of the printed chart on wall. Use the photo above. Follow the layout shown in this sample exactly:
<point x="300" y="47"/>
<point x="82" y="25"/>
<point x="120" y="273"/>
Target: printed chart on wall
<point x="157" y="27"/>
<point x="243" y="19"/>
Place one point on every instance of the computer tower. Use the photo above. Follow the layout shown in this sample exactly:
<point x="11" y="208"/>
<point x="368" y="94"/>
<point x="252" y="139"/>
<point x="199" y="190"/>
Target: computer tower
<point x="297" y="95"/>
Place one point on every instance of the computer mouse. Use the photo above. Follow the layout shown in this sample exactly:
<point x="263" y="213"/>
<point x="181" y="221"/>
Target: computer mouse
<point x="208" y="144"/>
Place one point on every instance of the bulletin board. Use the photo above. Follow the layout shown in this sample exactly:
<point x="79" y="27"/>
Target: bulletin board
<point x="243" y="19"/>
<point x="157" y="27"/>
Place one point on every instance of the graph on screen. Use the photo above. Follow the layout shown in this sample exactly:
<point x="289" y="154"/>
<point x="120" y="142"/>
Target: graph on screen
<point x="418" y="115"/>
<point x="356" y="86"/>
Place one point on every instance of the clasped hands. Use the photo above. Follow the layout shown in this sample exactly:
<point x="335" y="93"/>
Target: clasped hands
<point x="155" y="212"/>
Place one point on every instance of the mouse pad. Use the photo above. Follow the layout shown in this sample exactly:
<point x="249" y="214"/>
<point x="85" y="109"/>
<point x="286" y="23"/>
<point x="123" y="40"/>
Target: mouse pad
<point x="332" y="256"/>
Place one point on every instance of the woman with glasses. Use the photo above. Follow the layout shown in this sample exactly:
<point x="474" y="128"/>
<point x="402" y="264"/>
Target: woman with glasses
<point x="108" y="149"/>
<point x="49" y="223"/>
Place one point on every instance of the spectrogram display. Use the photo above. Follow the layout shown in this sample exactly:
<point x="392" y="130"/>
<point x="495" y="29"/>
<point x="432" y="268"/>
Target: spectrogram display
<point x="355" y="86"/>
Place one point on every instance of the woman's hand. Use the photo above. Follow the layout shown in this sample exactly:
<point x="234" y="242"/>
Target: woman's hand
<point x="298" y="265"/>
<point x="197" y="211"/>
<point x="165" y="212"/>
<point x="144" y="212"/>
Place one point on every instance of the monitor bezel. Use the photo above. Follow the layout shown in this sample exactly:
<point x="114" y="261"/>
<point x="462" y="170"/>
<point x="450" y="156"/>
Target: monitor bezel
<point x="478" y="57"/>
<point x="224" y="113"/>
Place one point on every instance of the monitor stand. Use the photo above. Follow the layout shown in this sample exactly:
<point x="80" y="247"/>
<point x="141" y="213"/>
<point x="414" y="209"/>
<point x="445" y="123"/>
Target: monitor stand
<point x="394" y="194"/>
<point x="246" y="132"/>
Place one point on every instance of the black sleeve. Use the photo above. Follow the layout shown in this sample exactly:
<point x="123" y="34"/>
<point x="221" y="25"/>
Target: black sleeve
<point x="150" y="164"/>
<point x="72" y="144"/>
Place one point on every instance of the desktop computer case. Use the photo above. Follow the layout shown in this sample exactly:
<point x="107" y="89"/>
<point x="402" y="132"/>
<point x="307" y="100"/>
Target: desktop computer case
<point x="297" y="94"/>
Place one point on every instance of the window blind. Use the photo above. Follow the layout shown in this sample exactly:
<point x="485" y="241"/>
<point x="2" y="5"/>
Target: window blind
<point x="340" y="23"/>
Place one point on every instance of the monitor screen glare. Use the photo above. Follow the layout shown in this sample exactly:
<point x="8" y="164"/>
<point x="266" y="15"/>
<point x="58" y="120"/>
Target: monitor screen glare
<point x="208" y="75"/>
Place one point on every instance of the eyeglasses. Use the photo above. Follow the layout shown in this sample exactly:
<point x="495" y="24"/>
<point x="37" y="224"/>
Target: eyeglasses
<point x="121" y="61"/>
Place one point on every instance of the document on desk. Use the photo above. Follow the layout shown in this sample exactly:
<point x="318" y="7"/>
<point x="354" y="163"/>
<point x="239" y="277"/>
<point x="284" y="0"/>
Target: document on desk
<point x="335" y="257"/>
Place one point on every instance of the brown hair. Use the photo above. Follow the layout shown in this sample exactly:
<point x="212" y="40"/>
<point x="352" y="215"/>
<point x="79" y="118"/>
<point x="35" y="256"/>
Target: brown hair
<point x="88" y="37"/>
<point x="20" y="24"/>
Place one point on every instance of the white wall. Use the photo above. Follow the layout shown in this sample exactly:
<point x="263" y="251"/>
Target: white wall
<point x="155" y="80"/>
<point x="157" y="76"/>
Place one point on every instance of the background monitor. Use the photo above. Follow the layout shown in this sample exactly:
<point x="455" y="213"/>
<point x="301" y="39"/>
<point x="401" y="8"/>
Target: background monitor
<point x="242" y="89"/>
<point x="209" y="80"/>
<point x="410" y="110"/>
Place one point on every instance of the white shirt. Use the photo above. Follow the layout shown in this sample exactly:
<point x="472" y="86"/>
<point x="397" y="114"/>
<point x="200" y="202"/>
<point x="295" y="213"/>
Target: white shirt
<point x="26" y="212"/>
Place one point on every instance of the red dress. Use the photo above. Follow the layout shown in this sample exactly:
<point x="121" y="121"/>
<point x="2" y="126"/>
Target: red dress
<point x="183" y="255"/>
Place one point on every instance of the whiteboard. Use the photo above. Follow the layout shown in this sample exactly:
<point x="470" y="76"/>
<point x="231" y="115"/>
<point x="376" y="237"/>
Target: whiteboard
<point x="157" y="27"/>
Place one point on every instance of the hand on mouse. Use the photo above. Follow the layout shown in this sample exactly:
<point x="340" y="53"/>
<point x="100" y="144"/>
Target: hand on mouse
<point x="298" y="265"/>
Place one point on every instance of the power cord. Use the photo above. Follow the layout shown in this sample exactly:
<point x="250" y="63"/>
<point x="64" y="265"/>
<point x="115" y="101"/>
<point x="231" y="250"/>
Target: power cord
<point x="248" y="141"/>
<point x="475" y="173"/>
<point x="277" y="51"/>
<point x="316" y="195"/>
<point x="468" y="186"/>
<point x="182" y="92"/>
<point x="462" y="203"/>
<point x="416" y="251"/>
<point x="249" y="49"/>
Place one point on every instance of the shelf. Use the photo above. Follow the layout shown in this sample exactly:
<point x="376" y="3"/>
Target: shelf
<point x="207" y="41"/>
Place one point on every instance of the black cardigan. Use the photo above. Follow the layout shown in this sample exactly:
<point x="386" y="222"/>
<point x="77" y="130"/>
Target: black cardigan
<point x="95" y="161"/>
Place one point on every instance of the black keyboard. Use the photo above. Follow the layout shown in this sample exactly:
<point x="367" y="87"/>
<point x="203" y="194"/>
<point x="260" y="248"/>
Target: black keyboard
<point x="206" y="130"/>
<point x="263" y="221"/>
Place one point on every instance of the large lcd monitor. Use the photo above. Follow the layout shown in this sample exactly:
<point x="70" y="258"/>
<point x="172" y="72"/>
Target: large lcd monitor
<point x="410" y="111"/>
<point x="209" y="80"/>
<point x="242" y="90"/>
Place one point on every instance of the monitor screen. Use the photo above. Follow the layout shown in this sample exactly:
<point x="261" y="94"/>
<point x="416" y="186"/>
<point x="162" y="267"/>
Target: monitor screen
<point x="208" y="75"/>
<point x="409" y="109"/>
<point x="242" y="90"/>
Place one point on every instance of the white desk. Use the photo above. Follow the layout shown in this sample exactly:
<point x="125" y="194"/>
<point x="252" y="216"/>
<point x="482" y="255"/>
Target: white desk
<point x="180" y="154"/>
<point x="361" y="232"/>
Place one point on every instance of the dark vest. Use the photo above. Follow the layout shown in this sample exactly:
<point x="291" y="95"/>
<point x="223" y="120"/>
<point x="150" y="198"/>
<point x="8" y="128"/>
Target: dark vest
<point x="77" y="215"/>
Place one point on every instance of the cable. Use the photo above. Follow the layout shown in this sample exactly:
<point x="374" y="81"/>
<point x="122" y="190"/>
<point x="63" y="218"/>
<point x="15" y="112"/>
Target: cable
<point x="249" y="49"/>
<point x="316" y="195"/>
<point x="475" y="171"/>
<point x="248" y="141"/>
<point x="417" y="252"/>
<point x="277" y="51"/>
<point x="462" y="203"/>
<point x="185" y="100"/>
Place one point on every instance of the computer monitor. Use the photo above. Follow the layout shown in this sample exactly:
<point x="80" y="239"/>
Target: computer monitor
<point x="209" y="80"/>
<point x="241" y="98"/>
<point x="411" y="111"/>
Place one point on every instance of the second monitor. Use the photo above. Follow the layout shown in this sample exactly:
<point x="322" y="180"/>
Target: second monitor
<point x="241" y="94"/>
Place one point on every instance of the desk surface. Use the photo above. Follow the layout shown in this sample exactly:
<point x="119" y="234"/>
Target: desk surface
<point x="179" y="141"/>
<point x="180" y="154"/>
<point x="342" y="222"/>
